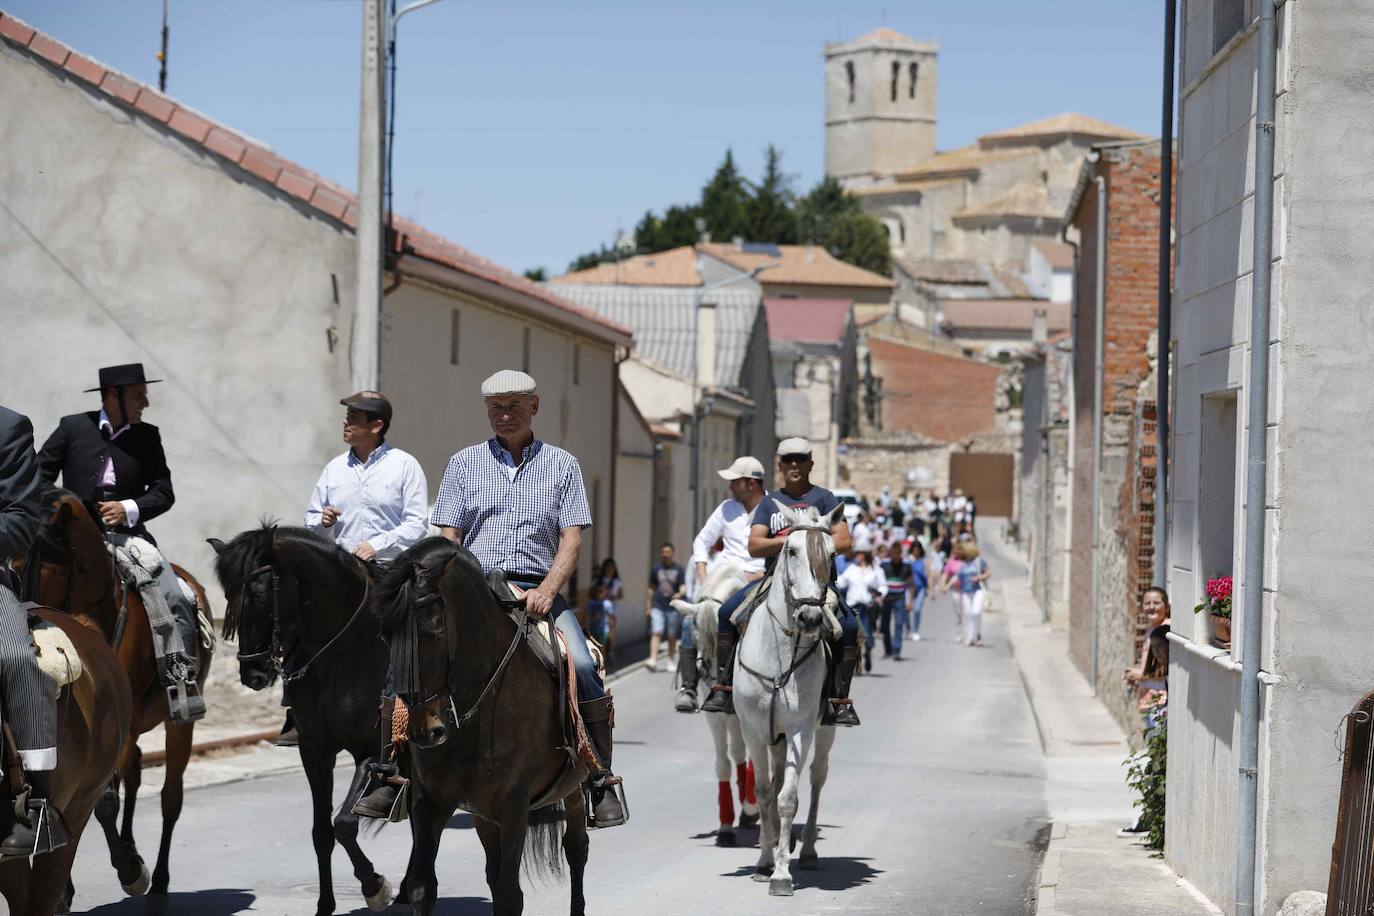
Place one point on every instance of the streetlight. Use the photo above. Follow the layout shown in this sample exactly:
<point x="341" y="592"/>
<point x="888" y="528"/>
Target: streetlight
<point x="697" y="298"/>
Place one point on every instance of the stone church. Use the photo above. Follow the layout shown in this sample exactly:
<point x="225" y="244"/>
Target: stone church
<point x="969" y="223"/>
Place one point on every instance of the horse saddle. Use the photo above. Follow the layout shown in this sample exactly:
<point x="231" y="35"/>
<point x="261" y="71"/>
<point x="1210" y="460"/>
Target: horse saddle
<point x="57" y="657"/>
<point x="512" y="600"/>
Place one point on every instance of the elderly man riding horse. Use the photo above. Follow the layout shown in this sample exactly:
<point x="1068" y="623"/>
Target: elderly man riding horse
<point x="112" y="460"/>
<point x="30" y="695"/>
<point x="519" y="505"/>
<point x="767" y="535"/>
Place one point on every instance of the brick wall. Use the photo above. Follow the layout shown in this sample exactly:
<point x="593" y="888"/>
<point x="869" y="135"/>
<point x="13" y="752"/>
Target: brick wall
<point x="1126" y="513"/>
<point x="939" y="397"/>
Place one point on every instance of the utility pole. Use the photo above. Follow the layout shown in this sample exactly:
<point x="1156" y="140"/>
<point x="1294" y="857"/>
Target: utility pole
<point x="162" y="55"/>
<point x="365" y="348"/>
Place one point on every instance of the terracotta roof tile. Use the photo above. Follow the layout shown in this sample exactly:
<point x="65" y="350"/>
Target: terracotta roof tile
<point x="942" y="271"/>
<point x="807" y="320"/>
<point x="324" y="196"/>
<point x="1067" y="123"/>
<point x="674" y="267"/>
<point x="797" y="265"/>
<point x="1002" y="314"/>
<point x="966" y="160"/>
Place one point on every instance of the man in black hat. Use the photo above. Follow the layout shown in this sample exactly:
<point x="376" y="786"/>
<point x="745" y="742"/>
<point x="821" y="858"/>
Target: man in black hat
<point x="30" y="695"/>
<point x="113" y="460"/>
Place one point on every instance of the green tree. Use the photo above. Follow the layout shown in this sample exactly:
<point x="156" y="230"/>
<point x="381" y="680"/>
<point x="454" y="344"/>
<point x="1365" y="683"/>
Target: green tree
<point x="592" y="258"/>
<point x="725" y="202"/>
<point x="537" y="274"/>
<point x="679" y="227"/>
<point x="771" y="207"/>
<point x="831" y="217"/>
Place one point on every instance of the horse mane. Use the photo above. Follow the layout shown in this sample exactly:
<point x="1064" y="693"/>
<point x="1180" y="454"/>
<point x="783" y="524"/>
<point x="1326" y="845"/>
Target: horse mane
<point x="820" y="555"/>
<point x="400" y="585"/>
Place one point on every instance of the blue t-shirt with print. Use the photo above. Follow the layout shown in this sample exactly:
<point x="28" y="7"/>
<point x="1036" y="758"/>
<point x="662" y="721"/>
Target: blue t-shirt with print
<point x="768" y="514"/>
<point x="968" y="583"/>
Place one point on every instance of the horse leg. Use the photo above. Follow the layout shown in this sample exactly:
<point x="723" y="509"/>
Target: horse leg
<point x="107" y="814"/>
<point x="509" y="899"/>
<point x="820" y="768"/>
<point x="789" y="759"/>
<point x="50" y="876"/>
<point x="725" y="834"/>
<point x="490" y="835"/>
<point x="744" y="774"/>
<point x="426" y="826"/>
<point x="376" y="889"/>
<point x="134" y="873"/>
<point x="14" y="885"/>
<point x="319" y="772"/>
<point x="576" y="847"/>
<point x="768" y="808"/>
<point x="178" y="748"/>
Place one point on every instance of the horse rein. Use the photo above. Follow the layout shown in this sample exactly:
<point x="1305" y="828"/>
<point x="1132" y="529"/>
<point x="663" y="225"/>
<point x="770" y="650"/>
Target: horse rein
<point x="274" y="650"/>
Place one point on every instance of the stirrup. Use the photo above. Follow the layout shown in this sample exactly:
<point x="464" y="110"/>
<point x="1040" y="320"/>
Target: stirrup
<point x="385" y="777"/>
<point x="184" y="702"/>
<point x="40" y="816"/>
<point x="610" y="786"/>
<point x="840" y="711"/>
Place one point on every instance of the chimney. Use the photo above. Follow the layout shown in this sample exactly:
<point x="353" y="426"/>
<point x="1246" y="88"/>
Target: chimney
<point x="810" y="254"/>
<point x="738" y="242"/>
<point x="706" y="344"/>
<point x="1040" y="326"/>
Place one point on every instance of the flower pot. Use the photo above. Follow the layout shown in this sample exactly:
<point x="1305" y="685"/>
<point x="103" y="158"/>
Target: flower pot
<point x="1221" y="631"/>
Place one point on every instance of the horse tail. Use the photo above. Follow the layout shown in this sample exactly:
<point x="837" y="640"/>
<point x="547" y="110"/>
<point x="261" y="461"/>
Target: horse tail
<point x="543" y="858"/>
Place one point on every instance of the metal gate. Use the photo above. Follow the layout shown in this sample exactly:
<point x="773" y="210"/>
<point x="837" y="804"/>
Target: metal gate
<point x="1351" y="891"/>
<point x="987" y="478"/>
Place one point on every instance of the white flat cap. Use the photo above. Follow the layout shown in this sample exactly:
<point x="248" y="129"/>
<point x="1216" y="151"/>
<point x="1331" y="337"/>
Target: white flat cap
<point x="743" y="467"/>
<point x="508" y="381"/>
<point x="794" y="446"/>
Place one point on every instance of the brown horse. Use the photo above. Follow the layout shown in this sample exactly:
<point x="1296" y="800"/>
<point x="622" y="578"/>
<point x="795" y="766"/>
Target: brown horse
<point x="78" y="576"/>
<point x="485" y="728"/>
<point x="93" y="716"/>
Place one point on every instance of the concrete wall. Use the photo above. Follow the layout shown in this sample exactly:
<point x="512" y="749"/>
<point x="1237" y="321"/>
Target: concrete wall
<point x="121" y="243"/>
<point x="635" y="549"/>
<point x="1042" y="509"/>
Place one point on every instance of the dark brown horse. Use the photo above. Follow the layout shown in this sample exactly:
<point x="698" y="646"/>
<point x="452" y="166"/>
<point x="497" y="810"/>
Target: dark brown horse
<point x="77" y="575"/>
<point x="279" y="580"/>
<point x="93" y="716"/>
<point x="485" y="728"/>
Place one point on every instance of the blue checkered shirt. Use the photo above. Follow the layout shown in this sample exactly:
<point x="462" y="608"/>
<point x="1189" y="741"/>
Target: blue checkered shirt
<point x="512" y="516"/>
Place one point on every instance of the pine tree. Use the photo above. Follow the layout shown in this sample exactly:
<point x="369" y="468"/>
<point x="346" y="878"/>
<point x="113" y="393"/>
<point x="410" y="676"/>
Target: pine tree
<point x="725" y="202"/>
<point x="771" y="216"/>
<point x="831" y="217"/>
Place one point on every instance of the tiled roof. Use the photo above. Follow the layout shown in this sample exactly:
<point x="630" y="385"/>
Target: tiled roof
<point x="941" y="271"/>
<point x="807" y="320"/>
<point x="1066" y="123"/>
<point x="674" y="267"/>
<point x="321" y="195"/>
<point x="1002" y="314"/>
<point x="966" y="160"/>
<point x="1028" y="199"/>
<point x="662" y="321"/>
<point x="1059" y="255"/>
<point x="798" y="265"/>
<point x="905" y="187"/>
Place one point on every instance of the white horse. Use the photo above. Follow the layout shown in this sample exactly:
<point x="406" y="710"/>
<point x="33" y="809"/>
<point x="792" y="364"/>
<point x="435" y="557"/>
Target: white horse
<point x="724" y="579"/>
<point x="780" y="671"/>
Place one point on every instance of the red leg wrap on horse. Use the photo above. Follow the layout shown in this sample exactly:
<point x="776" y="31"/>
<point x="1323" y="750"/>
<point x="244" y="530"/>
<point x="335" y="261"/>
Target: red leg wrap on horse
<point x="745" y="775"/>
<point x="727" y="803"/>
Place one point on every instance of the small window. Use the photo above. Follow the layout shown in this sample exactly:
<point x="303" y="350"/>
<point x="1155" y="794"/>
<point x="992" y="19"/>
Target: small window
<point x="525" y="355"/>
<point x="454" y="336"/>
<point x="913" y="69"/>
<point x="849" y="73"/>
<point x="896" y="76"/>
<point x="577" y="364"/>
<point x="1228" y="18"/>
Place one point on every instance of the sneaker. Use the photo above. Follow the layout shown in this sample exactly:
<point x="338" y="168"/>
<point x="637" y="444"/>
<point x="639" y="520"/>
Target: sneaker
<point x="915" y="637"/>
<point x="1132" y="830"/>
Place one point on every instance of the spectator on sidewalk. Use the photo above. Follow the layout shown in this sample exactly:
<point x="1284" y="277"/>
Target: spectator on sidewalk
<point x="667" y="581"/>
<point x="600" y="620"/>
<point x="973" y="572"/>
<point x="1149" y="679"/>
<point x="863" y="587"/>
<point x="608" y="575"/>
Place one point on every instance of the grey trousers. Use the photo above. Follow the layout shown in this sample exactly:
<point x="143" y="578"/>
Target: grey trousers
<point x="30" y="705"/>
<point x="183" y="624"/>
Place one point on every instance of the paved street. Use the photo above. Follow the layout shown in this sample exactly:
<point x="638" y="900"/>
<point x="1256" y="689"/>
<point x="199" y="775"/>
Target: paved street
<point x="936" y="805"/>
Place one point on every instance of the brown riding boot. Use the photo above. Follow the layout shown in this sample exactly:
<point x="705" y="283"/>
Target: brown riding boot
<point x="839" y="708"/>
<point x="720" y="699"/>
<point x="607" y="797"/>
<point x="386" y="784"/>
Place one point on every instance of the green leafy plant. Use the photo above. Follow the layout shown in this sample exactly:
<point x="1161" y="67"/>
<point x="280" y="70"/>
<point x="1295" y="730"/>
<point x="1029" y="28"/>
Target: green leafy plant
<point x="1146" y="772"/>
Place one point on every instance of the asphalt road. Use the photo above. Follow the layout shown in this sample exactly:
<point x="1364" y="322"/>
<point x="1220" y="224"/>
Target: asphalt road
<point x="935" y="805"/>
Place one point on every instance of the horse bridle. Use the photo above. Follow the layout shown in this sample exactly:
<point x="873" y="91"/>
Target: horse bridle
<point x="274" y="649"/>
<point x="792" y="600"/>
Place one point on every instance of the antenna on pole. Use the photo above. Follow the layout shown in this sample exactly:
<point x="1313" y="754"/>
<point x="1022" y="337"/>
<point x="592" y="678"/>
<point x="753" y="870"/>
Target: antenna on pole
<point x="162" y="55"/>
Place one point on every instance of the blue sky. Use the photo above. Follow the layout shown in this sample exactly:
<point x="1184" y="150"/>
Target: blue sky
<point x="530" y="130"/>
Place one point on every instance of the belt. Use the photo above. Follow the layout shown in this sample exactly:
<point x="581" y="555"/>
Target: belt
<point x="535" y="578"/>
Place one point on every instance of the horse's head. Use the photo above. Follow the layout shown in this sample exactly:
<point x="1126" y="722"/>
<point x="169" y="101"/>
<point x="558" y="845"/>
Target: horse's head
<point x="257" y="595"/>
<point x="804" y="563"/>
<point x="421" y="631"/>
<point x="74" y="571"/>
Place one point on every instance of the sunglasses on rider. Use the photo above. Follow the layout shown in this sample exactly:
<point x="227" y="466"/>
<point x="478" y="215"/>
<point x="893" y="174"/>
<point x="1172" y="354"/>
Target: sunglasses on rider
<point x="794" y="459"/>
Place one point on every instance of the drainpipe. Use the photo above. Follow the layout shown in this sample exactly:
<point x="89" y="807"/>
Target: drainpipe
<point x="1046" y="515"/>
<point x="1257" y="416"/>
<point x="1073" y="428"/>
<point x="1099" y="348"/>
<point x="1166" y="206"/>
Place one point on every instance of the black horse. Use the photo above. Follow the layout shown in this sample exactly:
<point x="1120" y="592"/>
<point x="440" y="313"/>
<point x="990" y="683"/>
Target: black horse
<point x="486" y="732"/>
<point x="276" y="579"/>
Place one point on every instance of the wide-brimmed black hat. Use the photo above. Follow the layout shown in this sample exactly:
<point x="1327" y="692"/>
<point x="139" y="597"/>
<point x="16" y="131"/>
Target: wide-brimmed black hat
<point x="119" y="376"/>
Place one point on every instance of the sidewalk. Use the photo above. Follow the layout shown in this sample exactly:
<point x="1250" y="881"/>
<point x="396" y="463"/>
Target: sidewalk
<point x="1088" y="869"/>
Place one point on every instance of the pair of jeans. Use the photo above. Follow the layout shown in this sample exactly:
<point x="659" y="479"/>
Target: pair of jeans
<point x="849" y="622"/>
<point x="589" y="686"/>
<point x="918" y="599"/>
<point x="894" y="622"/>
<point x="869" y="614"/>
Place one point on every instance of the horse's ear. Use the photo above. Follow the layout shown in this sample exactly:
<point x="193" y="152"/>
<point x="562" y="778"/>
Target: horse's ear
<point x="836" y="515"/>
<point x="789" y="515"/>
<point x="216" y="543"/>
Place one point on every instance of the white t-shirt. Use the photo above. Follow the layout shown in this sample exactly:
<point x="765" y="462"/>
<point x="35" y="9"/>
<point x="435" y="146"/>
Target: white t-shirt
<point x="730" y="524"/>
<point x="856" y="582"/>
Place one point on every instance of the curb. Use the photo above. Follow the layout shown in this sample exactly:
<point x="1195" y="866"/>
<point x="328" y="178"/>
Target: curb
<point x="1045" y="900"/>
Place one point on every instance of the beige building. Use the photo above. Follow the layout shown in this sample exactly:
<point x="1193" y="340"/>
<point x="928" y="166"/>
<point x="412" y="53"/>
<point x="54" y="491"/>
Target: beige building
<point x="136" y="229"/>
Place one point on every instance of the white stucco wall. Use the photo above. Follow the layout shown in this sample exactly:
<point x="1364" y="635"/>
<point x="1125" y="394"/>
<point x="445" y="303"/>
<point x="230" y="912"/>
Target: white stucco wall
<point x="122" y="243"/>
<point x="634" y="548"/>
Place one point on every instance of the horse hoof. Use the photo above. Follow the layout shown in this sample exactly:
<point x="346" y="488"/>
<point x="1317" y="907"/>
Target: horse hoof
<point x="139" y="886"/>
<point x="763" y="873"/>
<point x="810" y="863"/>
<point x="381" y="900"/>
<point x="748" y="820"/>
<point x="780" y="887"/>
<point x="156" y="905"/>
<point x="725" y="837"/>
